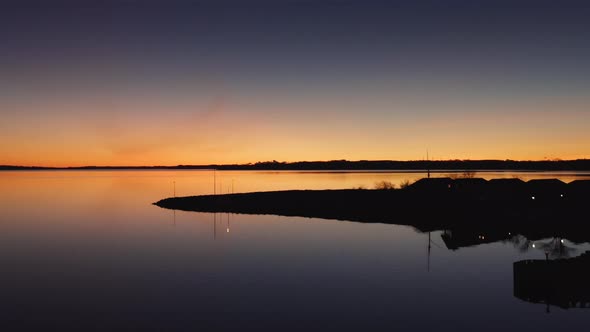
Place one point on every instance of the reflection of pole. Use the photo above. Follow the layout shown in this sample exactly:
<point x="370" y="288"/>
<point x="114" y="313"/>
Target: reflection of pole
<point x="227" y="229"/>
<point x="214" y="182"/>
<point x="174" y="218"/>
<point x="214" y="225"/>
<point x="232" y="186"/>
<point x="174" y="184"/>
<point x="428" y="251"/>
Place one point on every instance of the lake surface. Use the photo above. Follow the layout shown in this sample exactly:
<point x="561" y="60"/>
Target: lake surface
<point x="87" y="250"/>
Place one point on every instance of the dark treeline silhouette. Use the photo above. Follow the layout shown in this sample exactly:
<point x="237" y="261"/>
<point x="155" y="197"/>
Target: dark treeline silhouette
<point x="580" y="164"/>
<point x="23" y="168"/>
<point x="446" y="165"/>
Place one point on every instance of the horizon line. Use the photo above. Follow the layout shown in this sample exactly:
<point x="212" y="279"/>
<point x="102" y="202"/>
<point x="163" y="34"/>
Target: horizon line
<point x="274" y="162"/>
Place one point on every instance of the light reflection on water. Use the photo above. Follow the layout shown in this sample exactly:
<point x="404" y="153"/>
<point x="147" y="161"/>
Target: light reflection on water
<point x="87" y="249"/>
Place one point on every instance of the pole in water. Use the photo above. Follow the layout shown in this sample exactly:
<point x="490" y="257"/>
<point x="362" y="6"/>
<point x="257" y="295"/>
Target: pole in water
<point x="429" y="242"/>
<point x="232" y="186"/>
<point x="427" y="163"/>
<point x="214" y="182"/>
<point x="174" y="185"/>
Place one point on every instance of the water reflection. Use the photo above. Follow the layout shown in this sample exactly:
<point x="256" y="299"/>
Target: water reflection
<point x="457" y="238"/>
<point x="561" y="279"/>
<point x="222" y="216"/>
<point x="554" y="248"/>
<point x="561" y="282"/>
<point x="93" y="251"/>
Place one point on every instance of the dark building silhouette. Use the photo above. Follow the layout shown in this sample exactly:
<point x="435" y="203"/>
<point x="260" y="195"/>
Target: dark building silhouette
<point x="546" y="189"/>
<point x="506" y="189"/>
<point x="432" y="185"/>
<point x="475" y="188"/>
<point x="578" y="190"/>
<point x="501" y="189"/>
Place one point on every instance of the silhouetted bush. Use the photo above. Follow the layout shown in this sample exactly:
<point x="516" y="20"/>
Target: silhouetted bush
<point x="465" y="175"/>
<point x="384" y="185"/>
<point x="468" y="175"/>
<point x="404" y="184"/>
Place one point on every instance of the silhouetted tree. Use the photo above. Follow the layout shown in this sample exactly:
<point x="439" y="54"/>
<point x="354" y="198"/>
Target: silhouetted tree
<point x="384" y="185"/>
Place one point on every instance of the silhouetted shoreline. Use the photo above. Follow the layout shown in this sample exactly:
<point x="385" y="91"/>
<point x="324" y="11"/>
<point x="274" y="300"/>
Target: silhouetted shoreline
<point x="499" y="207"/>
<point x="335" y="165"/>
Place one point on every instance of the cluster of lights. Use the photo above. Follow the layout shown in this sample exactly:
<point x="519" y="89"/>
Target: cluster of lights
<point x="481" y="237"/>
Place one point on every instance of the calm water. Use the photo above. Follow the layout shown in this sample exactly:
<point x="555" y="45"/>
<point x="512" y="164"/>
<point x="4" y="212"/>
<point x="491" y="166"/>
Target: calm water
<point x="87" y="251"/>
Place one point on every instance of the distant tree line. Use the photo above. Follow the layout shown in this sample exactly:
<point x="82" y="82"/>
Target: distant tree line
<point x="434" y="165"/>
<point x="462" y="165"/>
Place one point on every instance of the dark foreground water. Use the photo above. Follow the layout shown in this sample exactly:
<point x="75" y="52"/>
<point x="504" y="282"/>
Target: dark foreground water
<point x="87" y="251"/>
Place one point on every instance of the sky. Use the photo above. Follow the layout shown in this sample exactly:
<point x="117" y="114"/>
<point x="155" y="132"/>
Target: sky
<point x="200" y="82"/>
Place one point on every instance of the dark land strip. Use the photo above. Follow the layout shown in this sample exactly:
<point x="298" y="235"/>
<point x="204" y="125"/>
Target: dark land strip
<point x="495" y="209"/>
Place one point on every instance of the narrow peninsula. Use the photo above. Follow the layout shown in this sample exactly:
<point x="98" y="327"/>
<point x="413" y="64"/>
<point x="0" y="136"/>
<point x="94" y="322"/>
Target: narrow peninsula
<point x="498" y="207"/>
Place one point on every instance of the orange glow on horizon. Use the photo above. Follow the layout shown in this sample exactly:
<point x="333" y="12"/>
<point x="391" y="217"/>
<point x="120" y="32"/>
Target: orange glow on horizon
<point x="201" y="133"/>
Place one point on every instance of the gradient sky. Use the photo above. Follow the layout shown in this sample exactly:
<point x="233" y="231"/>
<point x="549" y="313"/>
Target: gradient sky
<point x="188" y="82"/>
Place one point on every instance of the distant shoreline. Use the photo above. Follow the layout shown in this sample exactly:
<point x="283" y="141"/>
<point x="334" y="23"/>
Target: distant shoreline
<point x="362" y="165"/>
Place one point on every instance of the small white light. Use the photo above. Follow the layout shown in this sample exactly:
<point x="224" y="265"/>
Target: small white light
<point x="561" y="195"/>
<point x="533" y="245"/>
<point x="561" y="240"/>
<point x="227" y="230"/>
<point x="508" y="233"/>
<point x="533" y="197"/>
